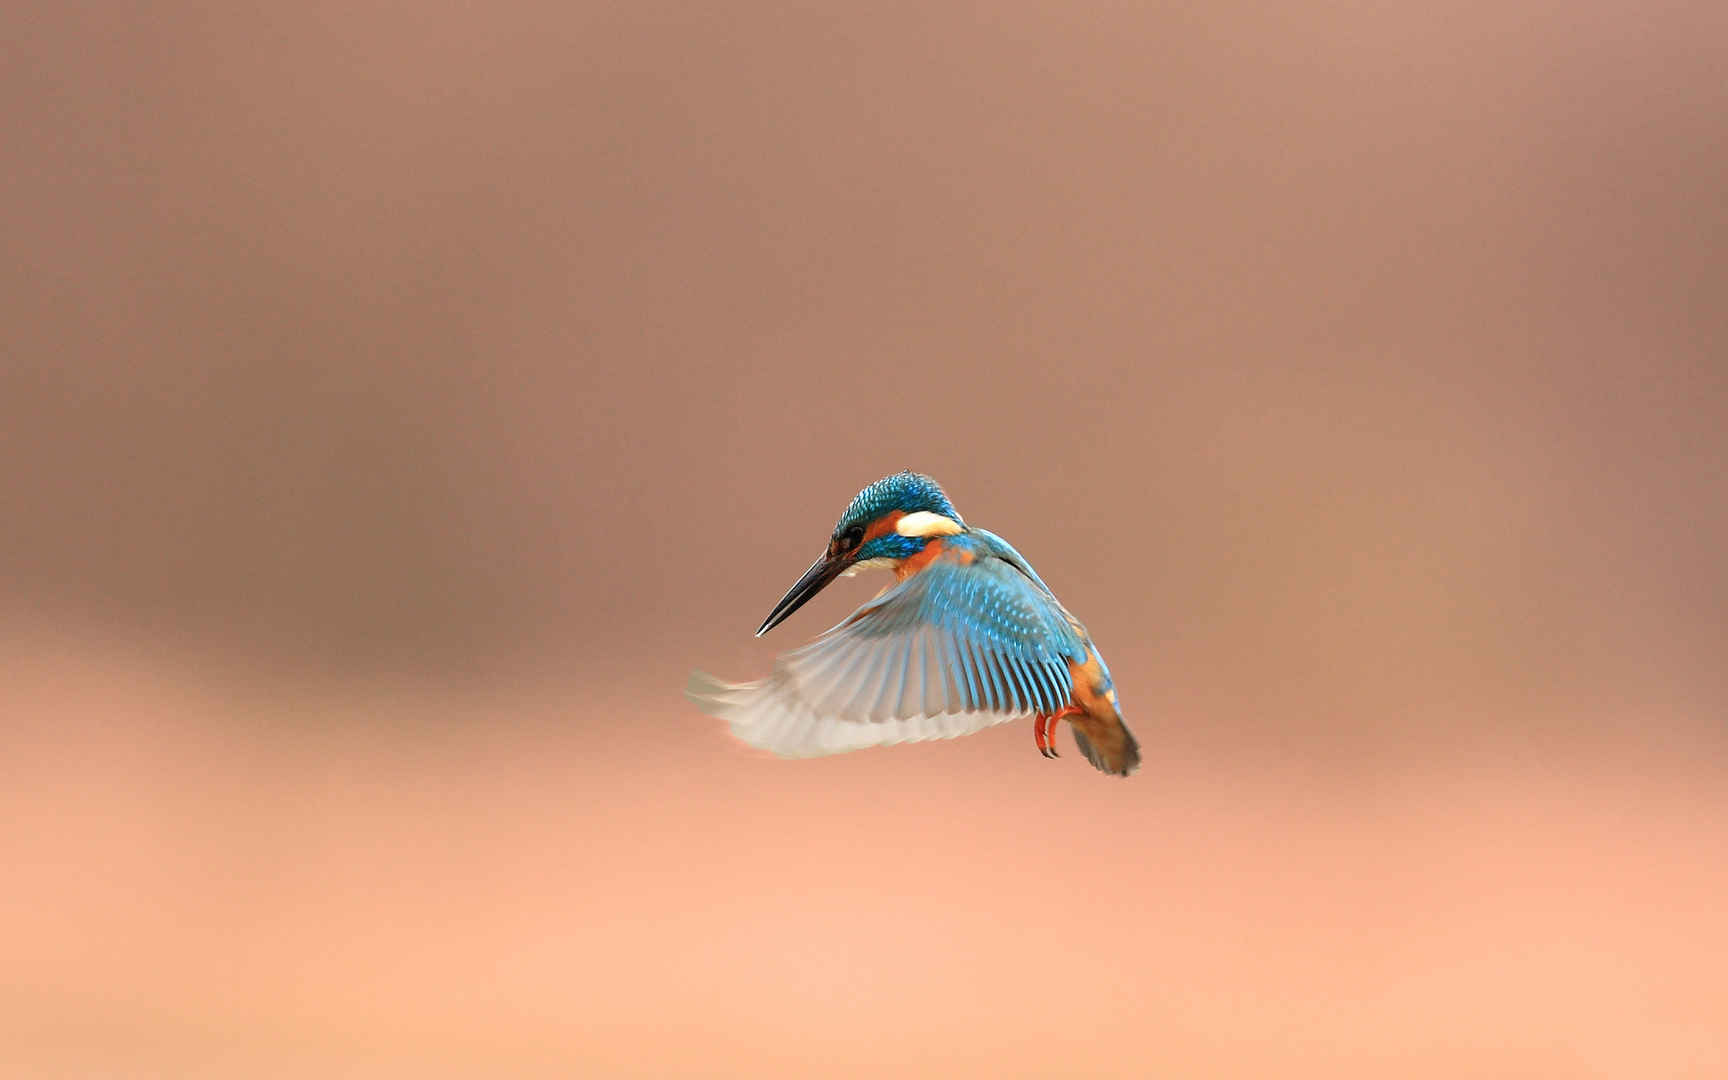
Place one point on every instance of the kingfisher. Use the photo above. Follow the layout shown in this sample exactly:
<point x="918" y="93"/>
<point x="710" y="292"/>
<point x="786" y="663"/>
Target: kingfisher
<point x="967" y="637"/>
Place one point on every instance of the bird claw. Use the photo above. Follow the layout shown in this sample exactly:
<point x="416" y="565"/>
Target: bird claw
<point x="1044" y="730"/>
<point x="1044" y="733"/>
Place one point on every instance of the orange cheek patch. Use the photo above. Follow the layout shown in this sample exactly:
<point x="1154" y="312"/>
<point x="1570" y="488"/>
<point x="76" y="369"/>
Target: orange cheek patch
<point x="883" y="525"/>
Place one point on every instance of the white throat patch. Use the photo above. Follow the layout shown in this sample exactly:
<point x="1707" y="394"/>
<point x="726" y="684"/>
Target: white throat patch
<point x="880" y="563"/>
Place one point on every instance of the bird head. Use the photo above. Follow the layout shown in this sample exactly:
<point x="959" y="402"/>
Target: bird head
<point x="890" y="520"/>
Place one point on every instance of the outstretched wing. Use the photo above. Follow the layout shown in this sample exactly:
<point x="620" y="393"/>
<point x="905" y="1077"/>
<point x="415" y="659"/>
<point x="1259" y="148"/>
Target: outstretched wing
<point x="949" y="651"/>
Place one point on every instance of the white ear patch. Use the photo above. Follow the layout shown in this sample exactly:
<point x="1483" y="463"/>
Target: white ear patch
<point x="924" y="523"/>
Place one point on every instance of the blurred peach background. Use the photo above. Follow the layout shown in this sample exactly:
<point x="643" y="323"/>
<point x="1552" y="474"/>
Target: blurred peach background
<point x="398" y="400"/>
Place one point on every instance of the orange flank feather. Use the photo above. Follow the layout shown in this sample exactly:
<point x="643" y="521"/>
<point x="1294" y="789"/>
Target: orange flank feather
<point x="1098" y="726"/>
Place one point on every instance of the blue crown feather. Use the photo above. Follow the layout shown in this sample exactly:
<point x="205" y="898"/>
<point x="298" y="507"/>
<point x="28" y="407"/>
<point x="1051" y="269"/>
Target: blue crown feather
<point x="907" y="490"/>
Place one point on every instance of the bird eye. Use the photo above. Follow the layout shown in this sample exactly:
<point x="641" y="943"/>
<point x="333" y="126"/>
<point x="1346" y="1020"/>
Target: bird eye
<point x="851" y="538"/>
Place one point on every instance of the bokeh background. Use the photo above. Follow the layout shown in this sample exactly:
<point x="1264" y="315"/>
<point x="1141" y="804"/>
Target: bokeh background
<point x="399" y="399"/>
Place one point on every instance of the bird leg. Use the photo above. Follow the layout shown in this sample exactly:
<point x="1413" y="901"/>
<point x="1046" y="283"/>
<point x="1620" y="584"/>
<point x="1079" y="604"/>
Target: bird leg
<point x="1044" y="729"/>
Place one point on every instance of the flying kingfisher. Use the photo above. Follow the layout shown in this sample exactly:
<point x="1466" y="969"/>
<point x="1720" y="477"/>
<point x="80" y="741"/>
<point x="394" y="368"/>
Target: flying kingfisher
<point x="969" y="636"/>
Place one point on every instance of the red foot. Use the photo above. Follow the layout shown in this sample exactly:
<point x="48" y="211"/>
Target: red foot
<point x="1044" y="730"/>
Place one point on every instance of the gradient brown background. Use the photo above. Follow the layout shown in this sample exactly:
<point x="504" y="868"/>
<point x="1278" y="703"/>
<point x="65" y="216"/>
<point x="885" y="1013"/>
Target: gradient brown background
<point x="399" y="399"/>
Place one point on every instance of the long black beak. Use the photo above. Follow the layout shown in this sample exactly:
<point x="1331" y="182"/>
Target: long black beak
<point x="821" y="572"/>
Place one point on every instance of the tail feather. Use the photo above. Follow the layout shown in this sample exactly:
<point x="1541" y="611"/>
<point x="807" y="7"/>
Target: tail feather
<point x="1106" y="742"/>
